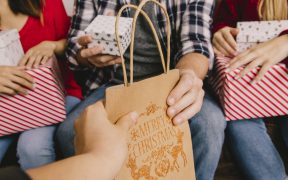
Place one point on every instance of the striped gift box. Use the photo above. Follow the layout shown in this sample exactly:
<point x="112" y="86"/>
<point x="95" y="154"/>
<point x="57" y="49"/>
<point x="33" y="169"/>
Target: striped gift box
<point x="43" y="106"/>
<point x="242" y="100"/>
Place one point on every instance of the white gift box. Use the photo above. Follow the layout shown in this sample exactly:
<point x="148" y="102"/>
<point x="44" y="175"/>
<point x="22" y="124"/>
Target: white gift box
<point x="69" y="7"/>
<point x="11" y="50"/>
<point x="102" y="30"/>
<point x="255" y="32"/>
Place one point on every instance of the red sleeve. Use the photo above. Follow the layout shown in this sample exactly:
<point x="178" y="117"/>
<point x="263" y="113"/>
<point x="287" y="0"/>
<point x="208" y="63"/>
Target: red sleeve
<point x="61" y="20"/>
<point x="284" y="32"/>
<point x="226" y="15"/>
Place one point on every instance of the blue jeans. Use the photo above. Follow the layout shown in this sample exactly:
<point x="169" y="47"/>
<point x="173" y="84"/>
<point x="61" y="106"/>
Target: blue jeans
<point x="36" y="146"/>
<point x="254" y="150"/>
<point x="207" y="130"/>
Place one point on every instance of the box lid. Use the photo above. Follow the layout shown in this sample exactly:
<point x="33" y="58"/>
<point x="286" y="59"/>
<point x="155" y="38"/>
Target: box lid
<point x="260" y="31"/>
<point x="103" y="27"/>
<point x="7" y="37"/>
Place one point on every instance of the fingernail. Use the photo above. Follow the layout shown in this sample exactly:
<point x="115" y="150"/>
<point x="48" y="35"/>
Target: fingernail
<point x="134" y="116"/>
<point x="171" y="101"/>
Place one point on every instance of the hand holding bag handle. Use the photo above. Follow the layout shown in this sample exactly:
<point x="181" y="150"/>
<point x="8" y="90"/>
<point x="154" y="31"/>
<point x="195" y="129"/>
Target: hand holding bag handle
<point x="133" y="34"/>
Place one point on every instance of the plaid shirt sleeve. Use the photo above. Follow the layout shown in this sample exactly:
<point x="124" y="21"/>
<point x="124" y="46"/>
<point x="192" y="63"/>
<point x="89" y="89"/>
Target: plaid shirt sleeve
<point x="85" y="13"/>
<point x="195" y="34"/>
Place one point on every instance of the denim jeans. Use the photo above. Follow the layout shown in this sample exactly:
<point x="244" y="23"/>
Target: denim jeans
<point x="254" y="151"/>
<point x="207" y="130"/>
<point x="36" y="146"/>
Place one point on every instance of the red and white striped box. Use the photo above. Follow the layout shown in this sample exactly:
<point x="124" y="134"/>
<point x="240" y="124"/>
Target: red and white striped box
<point x="243" y="100"/>
<point x="43" y="106"/>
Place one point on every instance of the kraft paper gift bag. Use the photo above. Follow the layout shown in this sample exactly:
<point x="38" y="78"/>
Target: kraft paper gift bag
<point x="157" y="149"/>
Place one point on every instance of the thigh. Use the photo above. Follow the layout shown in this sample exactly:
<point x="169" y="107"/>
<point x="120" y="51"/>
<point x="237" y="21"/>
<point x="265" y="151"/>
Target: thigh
<point x="70" y="103"/>
<point x="37" y="138"/>
<point x="254" y="150"/>
<point x="210" y="118"/>
<point x="75" y="113"/>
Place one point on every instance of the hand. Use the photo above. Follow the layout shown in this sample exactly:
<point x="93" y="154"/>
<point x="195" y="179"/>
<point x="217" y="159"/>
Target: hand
<point x="14" y="80"/>
<point x="93" y="56"/>
<point x="224" y="42"/>
<point x="265" y="55"/>
<point x="95" y="134"/>
<point x="38" y="54"/>
<point x="186" y="99"/>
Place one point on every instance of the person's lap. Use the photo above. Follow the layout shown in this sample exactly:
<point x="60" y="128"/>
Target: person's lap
<point x="35" y="147"/>
<point x="65" y="131"/>
<point x="254" y="150"/>
<point x="206" y="132"/>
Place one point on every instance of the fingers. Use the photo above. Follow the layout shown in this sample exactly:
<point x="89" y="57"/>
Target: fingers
<point x="127" y="121"/>
<point x="104" y="60"/>
<point x="190" y="111"/>
<point x="255" y="63"/>
<point x="44" y="60"/>
<point x="224" y="41"/>
<point x="221" y="43"/>
<point x="231" y="42"/>
<point x="262" y="72"/>
<point x="15" y="87"/>
<point x="183" y="86"/>
<point x="37" y="61"/>
<point x="84" y="40"/>
<point x="22" y="78"/>
<point x="220" y="48"/>
<point x="184" y="102"/>
<point x="8" y="91"/>
<point x="23" y="75"/>
<point x="240" y="60"/>
<point x="89" y="52"/>
<point x="25" y="59"/>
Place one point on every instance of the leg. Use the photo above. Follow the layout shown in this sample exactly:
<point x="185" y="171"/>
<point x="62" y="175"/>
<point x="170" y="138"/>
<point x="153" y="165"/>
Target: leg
<point x="5" y="142"/>
<point x="65" y="132"/>
<point x="207" y="131"/>
<point x="71" y="102"/>
<point x="284" y="129"/>
<point x="36" y="147"/>
<point x="254" y="150"/>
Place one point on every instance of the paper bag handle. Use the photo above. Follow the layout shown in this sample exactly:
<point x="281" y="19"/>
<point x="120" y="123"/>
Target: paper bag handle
<point x="133" y="34"/>
<point x="168" y="29"/>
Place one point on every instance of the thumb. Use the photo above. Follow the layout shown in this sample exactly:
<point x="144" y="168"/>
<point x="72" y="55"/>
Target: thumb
<point x="84" y="40"/>
<point x="234" y="31"/>
<point x="127" y="121"/>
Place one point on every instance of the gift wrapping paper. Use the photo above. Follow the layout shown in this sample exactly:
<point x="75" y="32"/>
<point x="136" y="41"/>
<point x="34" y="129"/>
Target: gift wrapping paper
<point x="255" y="32"/>
<point x="243" y="100"/>
<point x="102" y="30"/>
<point x="43" y="106"/>
<point x="11" y="50"/>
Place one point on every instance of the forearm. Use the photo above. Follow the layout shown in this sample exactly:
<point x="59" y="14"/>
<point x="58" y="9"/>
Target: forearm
<point x="196" y="62"/>
<point x="86" y="166"/>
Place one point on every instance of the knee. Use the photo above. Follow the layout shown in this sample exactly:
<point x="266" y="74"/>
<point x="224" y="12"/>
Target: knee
<point x="210" y="119"/>
<point x="35" y="147"/>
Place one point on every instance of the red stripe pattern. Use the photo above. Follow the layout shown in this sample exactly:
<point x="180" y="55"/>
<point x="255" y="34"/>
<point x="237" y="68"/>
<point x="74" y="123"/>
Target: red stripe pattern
<point x="43" y="106"/>
<point x="242" y="100"/>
